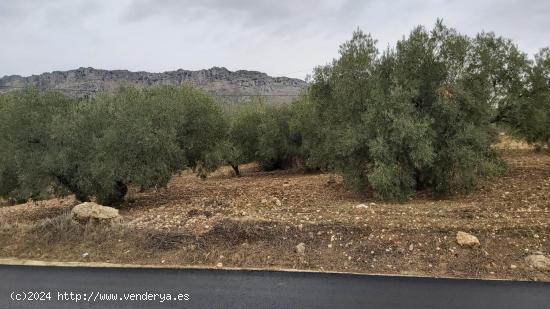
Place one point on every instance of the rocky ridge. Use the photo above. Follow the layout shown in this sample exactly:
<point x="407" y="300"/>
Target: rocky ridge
<point x="237" y="85"/>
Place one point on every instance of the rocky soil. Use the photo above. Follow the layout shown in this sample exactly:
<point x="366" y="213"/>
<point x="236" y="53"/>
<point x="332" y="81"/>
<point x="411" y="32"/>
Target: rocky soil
<point x="289" y="219"/>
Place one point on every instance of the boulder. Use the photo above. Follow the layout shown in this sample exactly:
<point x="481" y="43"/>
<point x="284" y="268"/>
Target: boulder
<point x="538" y="261"/>
<point x="465" y="239"/>
<point x="92" y="211"/>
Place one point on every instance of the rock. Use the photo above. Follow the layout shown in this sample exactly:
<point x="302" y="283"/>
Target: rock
<point x="538" y="261"/>
<point x="465" y="239"/>
<point x="85" y="254"/>
<point x="361" y="206"/>
<point x="411" y="247"/>
<point x="513" y="266"/>
<point x="85" y="82"/>
<point x="277" y="201"/>
<point x="301" y="249"/>
<point x="219" y="265"/>
<point x="92" y="211"/>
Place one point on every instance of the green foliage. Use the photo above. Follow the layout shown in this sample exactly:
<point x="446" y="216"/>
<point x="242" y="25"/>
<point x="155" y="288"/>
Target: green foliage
<point x="278" y="144"/>
<point x="53" y="144"/>
<point x="530" y="116"/>
<point x="27" y="141"/>
<point x="243" y="138"/>
<point x="264" y="133"/>
<point x="417" y="116"/>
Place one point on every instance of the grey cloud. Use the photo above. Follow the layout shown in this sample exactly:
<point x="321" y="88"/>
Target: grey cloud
<point x="265" y="15"/>
<point x="278" y="37"/>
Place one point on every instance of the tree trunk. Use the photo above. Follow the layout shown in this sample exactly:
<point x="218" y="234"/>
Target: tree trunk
<point x="236" y="169"/>
<point x="79" y="194"/>
<point x="115" y="197"/>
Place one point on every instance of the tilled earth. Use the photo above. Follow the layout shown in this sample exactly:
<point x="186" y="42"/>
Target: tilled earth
<point x="257" y="221"/>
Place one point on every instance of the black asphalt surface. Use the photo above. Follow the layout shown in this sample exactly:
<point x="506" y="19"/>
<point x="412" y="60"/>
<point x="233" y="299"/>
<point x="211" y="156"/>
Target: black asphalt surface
<point x="253" y="289"/>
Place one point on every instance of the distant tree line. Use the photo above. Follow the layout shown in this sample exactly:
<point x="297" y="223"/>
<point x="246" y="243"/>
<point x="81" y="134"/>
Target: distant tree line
<point x="420" y="115"/>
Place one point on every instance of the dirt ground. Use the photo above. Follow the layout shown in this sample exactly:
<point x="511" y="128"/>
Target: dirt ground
<point x="257" y="221"/>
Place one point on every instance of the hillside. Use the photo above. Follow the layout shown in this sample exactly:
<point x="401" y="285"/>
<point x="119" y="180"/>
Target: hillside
<point x="84" y="82"/>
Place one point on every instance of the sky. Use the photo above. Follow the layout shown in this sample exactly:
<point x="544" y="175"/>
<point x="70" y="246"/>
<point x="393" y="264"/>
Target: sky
<point x="279" y="37"/>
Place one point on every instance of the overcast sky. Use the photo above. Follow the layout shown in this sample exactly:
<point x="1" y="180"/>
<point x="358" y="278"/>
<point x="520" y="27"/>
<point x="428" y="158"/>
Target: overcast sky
<point x="277" y="37"/>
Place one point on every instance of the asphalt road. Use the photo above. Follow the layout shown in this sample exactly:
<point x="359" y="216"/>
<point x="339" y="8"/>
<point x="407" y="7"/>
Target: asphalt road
<point x="253" y="289"/>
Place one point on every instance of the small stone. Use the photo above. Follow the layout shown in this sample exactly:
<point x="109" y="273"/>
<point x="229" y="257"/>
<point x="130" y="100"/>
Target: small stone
<point x="277" y="202"/>
<point x="85" y="254"/>
<point x="513" y="266"/>
<point x="361" y="206"/>
<point x="301" y="249"/>
<point x="465" y="239"/>
<point x="219" y="265"/>
<point x="411" y="247"/>
<point x="538" y="261"/>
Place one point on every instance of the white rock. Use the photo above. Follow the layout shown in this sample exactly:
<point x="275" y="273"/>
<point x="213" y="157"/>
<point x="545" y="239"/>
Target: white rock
<point x="93" y="211"/>
<point x="277" y="201"/>
<point x="465" y="239"/>
<point x="538" y="261"/>
<point x="301" y="249"/>
<point x="361" y="206"/>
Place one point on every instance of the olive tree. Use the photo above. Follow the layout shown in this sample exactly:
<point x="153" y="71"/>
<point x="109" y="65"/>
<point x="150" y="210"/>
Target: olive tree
<point x="413" y="117"/>
<point x="96" y="148"/>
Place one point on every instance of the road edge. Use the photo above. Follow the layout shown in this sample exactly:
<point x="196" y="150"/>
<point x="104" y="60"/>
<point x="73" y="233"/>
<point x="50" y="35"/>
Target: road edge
<point x="38" y="263"/>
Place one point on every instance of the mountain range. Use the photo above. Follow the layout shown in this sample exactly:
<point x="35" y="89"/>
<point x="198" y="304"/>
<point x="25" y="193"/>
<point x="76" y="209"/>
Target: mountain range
<point x="231" y="85"/>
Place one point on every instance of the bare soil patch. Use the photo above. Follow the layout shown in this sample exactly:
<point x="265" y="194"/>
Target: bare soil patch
<point x="257" y="220"/>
